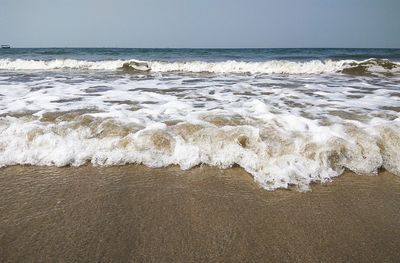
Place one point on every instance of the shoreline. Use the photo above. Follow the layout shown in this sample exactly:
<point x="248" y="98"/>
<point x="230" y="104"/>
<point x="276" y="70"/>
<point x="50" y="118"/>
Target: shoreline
<point x="139" y="214"/>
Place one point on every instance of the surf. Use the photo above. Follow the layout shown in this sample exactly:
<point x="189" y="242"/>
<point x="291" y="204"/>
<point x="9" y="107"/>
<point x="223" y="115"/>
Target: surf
<point x="352" y="67"/>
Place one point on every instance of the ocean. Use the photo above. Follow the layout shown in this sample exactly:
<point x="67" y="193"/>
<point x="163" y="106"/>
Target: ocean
<point x="289" y="117"/>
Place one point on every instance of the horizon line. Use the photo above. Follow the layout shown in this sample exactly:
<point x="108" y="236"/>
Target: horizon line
<point x="105" y="47"/>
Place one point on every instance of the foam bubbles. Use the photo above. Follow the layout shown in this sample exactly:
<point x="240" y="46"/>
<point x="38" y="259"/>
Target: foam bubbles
<point x="239" y="67"/>
<point x="282" y="130"/>
<point x="276" y="155"/>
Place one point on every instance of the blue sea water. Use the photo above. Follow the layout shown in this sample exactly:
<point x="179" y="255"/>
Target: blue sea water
<point x="198" y="54"/>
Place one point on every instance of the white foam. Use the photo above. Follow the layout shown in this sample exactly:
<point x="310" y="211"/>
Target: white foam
<point x="21" y="64"/>
<point x="275" y="154"/>
<point x="266" y="67"/>
<point x="281" y="130"/>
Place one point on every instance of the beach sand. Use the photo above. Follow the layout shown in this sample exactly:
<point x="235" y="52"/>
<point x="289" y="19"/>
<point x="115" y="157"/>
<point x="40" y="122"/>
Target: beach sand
<point x="136" y="214"/>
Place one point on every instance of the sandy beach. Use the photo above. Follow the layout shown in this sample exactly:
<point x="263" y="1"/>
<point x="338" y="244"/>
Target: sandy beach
<point x="136" y="214"/>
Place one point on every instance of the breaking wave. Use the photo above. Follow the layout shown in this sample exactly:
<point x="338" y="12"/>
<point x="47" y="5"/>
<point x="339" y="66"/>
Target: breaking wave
<point x="354" y="67"/>
<point x="282" y="130"/>
<point x="286" y="150"/>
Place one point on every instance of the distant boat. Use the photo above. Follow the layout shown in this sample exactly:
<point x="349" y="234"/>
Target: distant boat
<point x="5" y="46"/>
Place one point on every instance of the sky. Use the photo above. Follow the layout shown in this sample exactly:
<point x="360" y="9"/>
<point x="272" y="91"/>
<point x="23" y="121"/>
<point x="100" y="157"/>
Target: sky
<point x="200" y="23"/>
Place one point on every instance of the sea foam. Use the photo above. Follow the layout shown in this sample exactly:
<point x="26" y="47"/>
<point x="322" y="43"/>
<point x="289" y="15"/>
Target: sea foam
<point x="266" y="67"/>
<point x="278" y="152"/>
<point x="282" y="130"/>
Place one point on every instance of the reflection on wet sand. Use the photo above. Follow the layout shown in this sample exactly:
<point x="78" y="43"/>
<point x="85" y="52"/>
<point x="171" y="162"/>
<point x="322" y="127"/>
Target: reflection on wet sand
<point x="137" y="214"/>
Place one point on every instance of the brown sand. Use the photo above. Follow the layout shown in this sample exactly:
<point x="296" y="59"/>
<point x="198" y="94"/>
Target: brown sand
<point x="136" y="214"/>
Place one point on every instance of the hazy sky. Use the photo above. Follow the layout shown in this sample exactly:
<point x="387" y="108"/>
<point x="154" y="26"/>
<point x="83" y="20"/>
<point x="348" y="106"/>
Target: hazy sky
<point x="200" y="23"/>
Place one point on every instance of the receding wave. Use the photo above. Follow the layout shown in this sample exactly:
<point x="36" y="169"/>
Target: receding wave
<point x="278" y="153"/>
<point x="354" y="67"/>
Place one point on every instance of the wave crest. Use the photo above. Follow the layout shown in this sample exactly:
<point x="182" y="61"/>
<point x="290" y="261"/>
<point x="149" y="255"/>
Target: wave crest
<point x="267" y="67"/>
<point x="369" y="66"/>
<point x="135" y="66"/>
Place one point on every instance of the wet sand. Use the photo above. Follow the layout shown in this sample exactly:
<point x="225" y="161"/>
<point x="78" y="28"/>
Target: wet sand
<point x="137" y="214"/>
